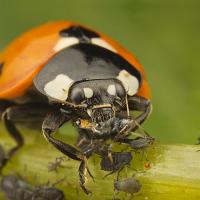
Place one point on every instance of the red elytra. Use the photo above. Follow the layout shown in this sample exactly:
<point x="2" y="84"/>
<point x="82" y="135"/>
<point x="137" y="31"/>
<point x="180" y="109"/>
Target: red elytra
<point x="27" y="55"/>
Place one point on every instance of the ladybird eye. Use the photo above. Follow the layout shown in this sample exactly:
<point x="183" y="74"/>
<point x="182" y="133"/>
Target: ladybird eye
<point x="77" y="95"/>
<point x="120" y="90"/>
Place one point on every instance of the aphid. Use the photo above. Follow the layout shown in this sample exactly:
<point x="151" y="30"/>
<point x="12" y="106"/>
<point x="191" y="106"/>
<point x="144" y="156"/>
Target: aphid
<point x="128" y="185"/>
<point x="117" y="161"/>
<point x="53" y="166"/>
<point x="140" y="143"/>
<point x="18" y="189"/>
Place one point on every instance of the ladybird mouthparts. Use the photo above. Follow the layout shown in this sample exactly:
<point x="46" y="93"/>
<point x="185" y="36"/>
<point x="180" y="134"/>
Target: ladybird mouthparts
<point x="102" y="115"/>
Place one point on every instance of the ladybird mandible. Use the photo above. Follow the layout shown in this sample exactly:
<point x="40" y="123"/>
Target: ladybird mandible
<point x="64" y="71"/>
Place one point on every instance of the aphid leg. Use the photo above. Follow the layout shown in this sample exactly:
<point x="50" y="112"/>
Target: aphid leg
<point x="129" y="196"/>
<point x="113" y="171"/>
<point x="137" y="103"/>
<point x="144" y="155"/>
<point x="114" y="194"/>
<point x="108" y="174"/>
<point x="51" y="123"/>
<point x="119" y="171"/>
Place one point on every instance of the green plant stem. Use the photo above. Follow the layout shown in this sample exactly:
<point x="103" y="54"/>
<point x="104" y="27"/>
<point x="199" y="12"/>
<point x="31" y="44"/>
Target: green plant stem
<point x="174" y="171"/>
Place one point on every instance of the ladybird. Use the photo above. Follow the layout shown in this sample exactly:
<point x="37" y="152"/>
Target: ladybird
<point x="64" y="71"/>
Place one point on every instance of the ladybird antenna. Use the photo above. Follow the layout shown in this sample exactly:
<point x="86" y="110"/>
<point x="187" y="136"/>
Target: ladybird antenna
<point x="127" y="107"/>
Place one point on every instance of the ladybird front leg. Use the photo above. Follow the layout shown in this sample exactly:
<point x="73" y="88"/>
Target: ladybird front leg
<point x="4" y="104"/>
<point x="137" y="103"/>
<point x="51" y="123"/>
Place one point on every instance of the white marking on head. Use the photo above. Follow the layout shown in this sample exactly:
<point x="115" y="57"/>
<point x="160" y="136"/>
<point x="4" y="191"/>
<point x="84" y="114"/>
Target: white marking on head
<point x="58" y="88"/>
<point x="111" y="89"/>
<point x="88" y="92"/>
<point x="102" y="43"/>
<point x="65" y="42"/>
<point x="89" y="112"/>
<point x="129" y="81"/>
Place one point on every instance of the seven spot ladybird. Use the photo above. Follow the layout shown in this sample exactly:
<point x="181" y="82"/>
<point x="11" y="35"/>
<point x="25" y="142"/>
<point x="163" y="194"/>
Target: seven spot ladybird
<point x="64" y="71"/>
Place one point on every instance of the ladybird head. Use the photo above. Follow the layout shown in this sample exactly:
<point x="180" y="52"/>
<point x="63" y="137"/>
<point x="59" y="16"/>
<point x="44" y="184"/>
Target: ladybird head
<point x="101" y="98"/>
<point x="98" y="99"/>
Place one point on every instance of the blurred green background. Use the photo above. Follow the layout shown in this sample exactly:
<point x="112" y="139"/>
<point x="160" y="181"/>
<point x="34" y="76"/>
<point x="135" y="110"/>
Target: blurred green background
<point x="164" y="36"/>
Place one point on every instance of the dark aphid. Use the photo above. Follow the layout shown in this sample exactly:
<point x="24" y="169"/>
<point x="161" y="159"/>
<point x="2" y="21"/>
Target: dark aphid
<point x="18" y="189"/>
<point x="128" y="185"/>
<point x="140" y="143"/>
<point x="53" y="166"/>
<point x="117" y="161"/>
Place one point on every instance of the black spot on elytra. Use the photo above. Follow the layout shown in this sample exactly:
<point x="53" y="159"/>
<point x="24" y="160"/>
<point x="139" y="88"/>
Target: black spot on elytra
<point x="1" y="67"/>
<point x="83" y="34"/>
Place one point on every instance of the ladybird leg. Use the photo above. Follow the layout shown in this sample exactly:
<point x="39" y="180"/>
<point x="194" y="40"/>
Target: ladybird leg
<point x="140" y="104"/>
<point x="51" y="123"/>
<point x="14" y="133"/>
<point x="5" y="104"/>
<point x="73" y="153"/>
<point x="20" y="113"/>
<point x="3" y="158"/>
<point x="135" y="103"/>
